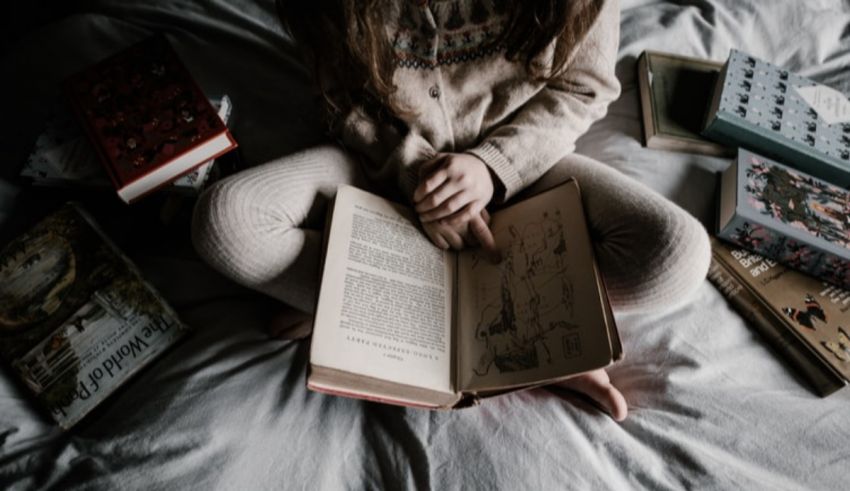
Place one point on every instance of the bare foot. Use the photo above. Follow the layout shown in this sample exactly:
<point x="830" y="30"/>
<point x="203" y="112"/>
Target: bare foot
<point x="597" y="386"/>
<point x="290" y="323"/>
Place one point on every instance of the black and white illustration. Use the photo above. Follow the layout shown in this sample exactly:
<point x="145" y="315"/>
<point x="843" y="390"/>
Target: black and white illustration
<point x="527" y="319"/>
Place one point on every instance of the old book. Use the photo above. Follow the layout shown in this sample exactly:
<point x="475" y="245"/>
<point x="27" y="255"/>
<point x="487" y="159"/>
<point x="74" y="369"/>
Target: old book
<point x="781" y="115"/>
<point x="146" y="117"/>
<point x="404" y="322"/>
<point x="781" y="303"/>
<point x="786" y="215"/>
<point x="784" y="340"/>
<point x="63" y="156"/>
<point x="675" y="92"/>
<point x="76" y="317"/>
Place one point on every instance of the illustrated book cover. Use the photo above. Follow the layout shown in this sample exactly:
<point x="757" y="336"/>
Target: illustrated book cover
<point x="63" y="156"/>
<point x="403" y="322"/>
<point x="76" y="317"/>
<point x="820" y="376"/>
<point x="793" y="309"/>
<point x="675" y="92"/>
<point x="786" y="215"/>
<point x="146" y="117"/>
<point x="781" y="115"/>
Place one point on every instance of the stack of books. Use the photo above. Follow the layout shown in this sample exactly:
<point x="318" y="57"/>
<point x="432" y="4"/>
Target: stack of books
<point x="783" y="207"/>
<point x="138" y="121"/>
<point x="77" y="318"/>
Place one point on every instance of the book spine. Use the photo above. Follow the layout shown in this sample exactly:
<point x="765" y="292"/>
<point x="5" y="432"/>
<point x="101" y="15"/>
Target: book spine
<point x="732" y="132"/>
<point x="648" y="112"/>
<point x="783" y="340"/>
<point x="768" y="242"/>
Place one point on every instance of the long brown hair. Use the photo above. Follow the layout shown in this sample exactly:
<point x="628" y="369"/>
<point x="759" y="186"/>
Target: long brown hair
<point x="352" y="58"/>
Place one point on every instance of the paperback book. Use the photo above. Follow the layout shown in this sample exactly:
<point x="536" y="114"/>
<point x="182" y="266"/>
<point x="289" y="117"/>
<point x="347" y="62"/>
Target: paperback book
<point x="804" y="319"/>
<point x="781" y="213"/>
<point x="781" y="115"/>
<point x="403" y="322"/>
<point x="146" y="117"/>
<point x="675" y="92"/>
<point x="77" y="320"/>
<point x="63" y="156"/>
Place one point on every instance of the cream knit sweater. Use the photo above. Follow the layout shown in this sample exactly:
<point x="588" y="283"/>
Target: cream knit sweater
<point x="262" y="227"/>
<point x="466" y="97"/>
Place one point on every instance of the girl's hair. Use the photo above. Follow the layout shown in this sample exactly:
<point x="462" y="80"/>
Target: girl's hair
<point x="352" y="58"/>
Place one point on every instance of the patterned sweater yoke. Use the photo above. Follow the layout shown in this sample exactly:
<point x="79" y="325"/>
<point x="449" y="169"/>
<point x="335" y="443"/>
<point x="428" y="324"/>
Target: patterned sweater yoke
<point x="461" y="94"/>
<point x="432" y="34"/>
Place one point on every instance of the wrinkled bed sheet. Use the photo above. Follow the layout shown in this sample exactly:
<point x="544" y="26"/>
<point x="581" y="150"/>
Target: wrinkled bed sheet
<point x="711" y="406"/>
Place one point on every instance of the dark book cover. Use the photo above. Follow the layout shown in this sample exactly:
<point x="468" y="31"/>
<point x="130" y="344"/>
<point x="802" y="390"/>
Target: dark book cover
<point x="144" y="112"/>
<point x="675" y="92"/>
<point x="76" y="317"/>
<point x="802" y="360"/>
<point x="786" y="215"/>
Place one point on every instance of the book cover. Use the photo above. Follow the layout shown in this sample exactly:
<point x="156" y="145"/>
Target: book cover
<point x="63" y="156"/>
<point x="784" y="214"/>
<point x="675" y="92"/>
<point x="146" y="117"/>
<point x="76" y="317"/>
<point x="782" y="115"/>
<point x="800" y="358"/>
<point x="402" y="321"/>
<point x="816" y="312"/>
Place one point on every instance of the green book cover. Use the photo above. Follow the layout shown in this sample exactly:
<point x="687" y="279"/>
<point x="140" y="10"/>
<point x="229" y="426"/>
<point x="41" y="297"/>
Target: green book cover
<point x="783" y="116"/>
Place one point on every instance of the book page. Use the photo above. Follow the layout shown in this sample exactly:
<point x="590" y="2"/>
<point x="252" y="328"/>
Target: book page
<point x="538" y="315"/>
<point x="385" y="307"/>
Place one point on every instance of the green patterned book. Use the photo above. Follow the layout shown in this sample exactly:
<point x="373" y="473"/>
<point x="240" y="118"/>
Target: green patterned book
<point x="783" y="116"/>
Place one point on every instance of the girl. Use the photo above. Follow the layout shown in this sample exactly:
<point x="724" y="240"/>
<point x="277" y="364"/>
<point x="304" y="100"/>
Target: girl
<point x="453" y="106"/>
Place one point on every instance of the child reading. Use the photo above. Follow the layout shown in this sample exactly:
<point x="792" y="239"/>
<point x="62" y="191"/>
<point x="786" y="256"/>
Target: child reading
<point x="454" y="106"/>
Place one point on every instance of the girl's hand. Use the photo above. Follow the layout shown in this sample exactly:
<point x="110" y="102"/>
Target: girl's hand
<point x="451" y="200"/>
<point x="474" y="232"/>
<point x="451" y="186"/>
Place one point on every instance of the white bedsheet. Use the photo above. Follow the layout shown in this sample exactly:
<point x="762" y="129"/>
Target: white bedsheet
<point x="711" y="407"/>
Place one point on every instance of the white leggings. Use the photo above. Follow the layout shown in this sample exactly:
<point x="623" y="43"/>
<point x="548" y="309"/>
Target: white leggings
<point x="263" y="229"/>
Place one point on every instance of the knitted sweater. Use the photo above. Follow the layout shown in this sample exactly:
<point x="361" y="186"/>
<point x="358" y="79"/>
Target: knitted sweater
<point x="466" y="96"/>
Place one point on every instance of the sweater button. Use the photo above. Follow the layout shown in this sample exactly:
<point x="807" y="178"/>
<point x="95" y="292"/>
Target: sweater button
<point x="434" y="92"/>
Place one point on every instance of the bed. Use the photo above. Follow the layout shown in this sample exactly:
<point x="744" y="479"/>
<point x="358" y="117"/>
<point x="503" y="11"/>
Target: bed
<point x="711" y="405"/>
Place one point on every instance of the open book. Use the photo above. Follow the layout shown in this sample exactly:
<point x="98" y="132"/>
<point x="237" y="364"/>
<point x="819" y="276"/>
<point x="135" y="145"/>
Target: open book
<point x="403" y="322"/>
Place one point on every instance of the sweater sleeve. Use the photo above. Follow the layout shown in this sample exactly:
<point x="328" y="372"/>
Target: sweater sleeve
<point x="546" y="127"/>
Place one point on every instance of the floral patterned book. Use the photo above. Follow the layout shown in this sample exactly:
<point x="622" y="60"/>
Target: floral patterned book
<point x="147" y="118"/>
<point x="786" y="215"/>
<point x="77" y="320"/>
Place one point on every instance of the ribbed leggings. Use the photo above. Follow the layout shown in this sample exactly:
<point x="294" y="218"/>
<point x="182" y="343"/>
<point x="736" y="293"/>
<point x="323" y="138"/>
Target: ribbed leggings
<point x="263" y="229"/>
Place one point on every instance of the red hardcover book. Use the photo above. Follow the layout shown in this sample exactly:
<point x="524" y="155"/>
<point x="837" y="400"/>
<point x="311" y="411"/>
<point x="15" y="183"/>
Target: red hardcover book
<point x="147" y="118"/>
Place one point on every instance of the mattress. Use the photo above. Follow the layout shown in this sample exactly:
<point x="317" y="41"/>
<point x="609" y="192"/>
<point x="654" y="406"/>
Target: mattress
<point x="711" y="405"/>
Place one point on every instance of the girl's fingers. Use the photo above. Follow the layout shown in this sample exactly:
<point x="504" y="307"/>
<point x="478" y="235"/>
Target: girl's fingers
<point x="431" y="201"/>
<point x="436" y="238"/>
<point x="452" y="237"/>
<point x="448" y="208"/>
<point x="430" y="183"/>
<point x="479" y="229"/>
<point x="485" y="215"/>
